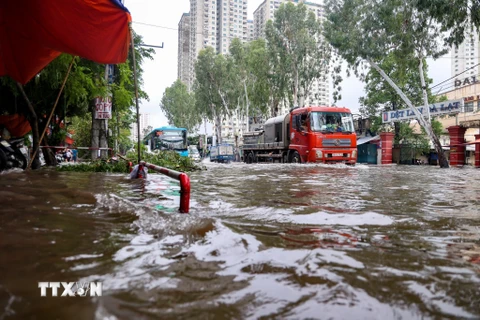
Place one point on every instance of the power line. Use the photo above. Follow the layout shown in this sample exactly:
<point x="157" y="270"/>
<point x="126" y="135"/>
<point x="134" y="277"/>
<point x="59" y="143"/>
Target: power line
<point x="154" y="25"/>
<point x="455" y="76"/>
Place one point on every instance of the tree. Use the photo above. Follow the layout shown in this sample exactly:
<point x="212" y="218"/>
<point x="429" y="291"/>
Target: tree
<point x="298" y="53"/>
<point x="381" y="97"/>
<point x="454" y="16"/>
<point x="179" y="107"/>
<point x="370" y="30"/>
<point x="251" y="62"/>
<point x="85" y="82"/>
<point x="216" y="87"/>
<point x="120" y="88"/>
<point x="146" y="131"/>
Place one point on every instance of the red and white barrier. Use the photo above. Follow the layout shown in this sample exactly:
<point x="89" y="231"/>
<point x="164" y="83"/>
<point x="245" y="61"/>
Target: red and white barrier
<point x="180" y="176"/>
<point x="79" y="148"/>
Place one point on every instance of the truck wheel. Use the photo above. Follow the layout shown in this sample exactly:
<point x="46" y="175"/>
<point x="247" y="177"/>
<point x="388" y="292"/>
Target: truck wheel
<point x="250" y="158"/>
<point x="296" y="158"/>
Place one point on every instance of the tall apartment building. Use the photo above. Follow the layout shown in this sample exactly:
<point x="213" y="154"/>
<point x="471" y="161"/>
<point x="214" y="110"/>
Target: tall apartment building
<point x="145" y="122"/>
<point x="231" y="23"/>
<point x="184" y="49"/>
<point x="466" y="56"/>
<point x="262" y="14"/>
<point x="320" y="91"/>
<point x="250" y="30"/>
<point x="465" y="71"/>
<point x="213" y="23"/>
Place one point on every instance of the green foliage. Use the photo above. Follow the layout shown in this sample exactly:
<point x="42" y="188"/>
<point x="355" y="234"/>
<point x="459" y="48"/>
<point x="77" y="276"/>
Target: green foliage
<point x="437" y="128"/>
<point x="380" y="96"/>
<point x="81" y="126"/>
<point x="298" y="54"/>
<point x="96" y="166"/>
<point x="167" y="159"/>
<point x="252" y="62"/>
<point x="216" y="86"/>
<point x="454" y="16"/>
<point x="193" y="140"/>
<point x="371" y="31"/>
<point x="179" y="107"/>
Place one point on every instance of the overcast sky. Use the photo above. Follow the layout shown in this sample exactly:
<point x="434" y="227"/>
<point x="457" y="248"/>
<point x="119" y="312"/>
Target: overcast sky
<point x="157" y="21"/>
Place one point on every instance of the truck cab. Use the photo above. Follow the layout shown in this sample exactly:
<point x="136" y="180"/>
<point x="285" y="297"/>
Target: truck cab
<point x="317" y="134"/>
<point x="322" y="134"/>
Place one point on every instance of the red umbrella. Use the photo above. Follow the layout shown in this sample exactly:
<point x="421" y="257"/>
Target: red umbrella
<point x="34" y="32"/>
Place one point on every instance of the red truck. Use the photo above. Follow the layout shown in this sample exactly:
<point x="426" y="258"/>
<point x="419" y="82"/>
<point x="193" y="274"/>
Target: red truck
<point x="309" y="134"/>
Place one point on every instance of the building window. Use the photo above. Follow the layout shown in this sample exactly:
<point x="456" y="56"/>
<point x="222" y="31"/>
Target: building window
<point x="469" y="107"/>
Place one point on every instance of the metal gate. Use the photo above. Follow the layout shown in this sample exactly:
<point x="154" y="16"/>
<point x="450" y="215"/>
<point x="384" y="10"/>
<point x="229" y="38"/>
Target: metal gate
<point x="367" y="153"/>
<point x="408" y="153"/>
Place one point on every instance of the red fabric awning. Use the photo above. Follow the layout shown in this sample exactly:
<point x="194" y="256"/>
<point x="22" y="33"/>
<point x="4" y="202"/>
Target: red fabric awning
<point x="34" y="32"/>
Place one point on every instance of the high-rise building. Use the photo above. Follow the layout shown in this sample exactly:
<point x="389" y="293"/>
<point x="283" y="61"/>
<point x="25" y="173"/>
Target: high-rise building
<point x="144" y="124"/>
<point x="231" y="23"/>
<point x="213" y="23"/>
<point x="184" y="49"/>
<point x="251" y="30"/>
<point x="262" y="14"/>
<point x="466" y="58"/>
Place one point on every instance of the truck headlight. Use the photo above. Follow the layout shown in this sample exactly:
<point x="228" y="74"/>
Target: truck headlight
<point x="319" y="153"/>
<point x="354" y="153"/>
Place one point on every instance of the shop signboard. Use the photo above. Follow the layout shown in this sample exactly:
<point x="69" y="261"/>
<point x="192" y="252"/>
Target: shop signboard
<point x="103" y="108"/>
<point x="436" y="109"/>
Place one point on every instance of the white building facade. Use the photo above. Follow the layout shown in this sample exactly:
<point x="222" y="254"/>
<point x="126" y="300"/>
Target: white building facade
<point x="465" y="58"/>
<point x="184" y="49"/>
<point x="145" y="122"/>
<point x="213" y="23"/>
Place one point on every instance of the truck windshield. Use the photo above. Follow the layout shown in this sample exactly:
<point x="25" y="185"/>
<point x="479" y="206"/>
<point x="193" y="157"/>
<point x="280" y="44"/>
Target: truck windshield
<point x="228" y="149"/>
<point x="331" y="122"/>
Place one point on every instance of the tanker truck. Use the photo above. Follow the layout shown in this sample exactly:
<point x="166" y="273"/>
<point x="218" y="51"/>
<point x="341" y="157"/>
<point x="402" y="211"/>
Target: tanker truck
<point x="317" y="134"/>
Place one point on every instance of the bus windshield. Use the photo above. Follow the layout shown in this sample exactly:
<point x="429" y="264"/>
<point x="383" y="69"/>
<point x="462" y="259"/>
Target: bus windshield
<point x="331" y="122"/>
<point x="170" y="140"/>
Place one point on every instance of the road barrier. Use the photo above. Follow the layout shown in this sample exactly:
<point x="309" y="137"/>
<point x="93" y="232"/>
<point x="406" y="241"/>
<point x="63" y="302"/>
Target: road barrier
<point x="79" y="148"/>
<point x="180" y="176"/>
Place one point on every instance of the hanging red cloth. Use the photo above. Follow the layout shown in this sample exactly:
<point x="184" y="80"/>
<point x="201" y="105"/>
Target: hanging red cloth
<point x="34" y="32"/>
<point x="16" y="124"/>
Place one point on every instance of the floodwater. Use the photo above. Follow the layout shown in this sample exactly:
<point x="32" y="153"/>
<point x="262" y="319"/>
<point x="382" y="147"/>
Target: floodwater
<point x="262" y="241"/>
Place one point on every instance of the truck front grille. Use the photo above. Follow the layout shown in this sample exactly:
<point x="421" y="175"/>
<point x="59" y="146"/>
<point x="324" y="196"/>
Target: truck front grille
<point x="336" y="142"/>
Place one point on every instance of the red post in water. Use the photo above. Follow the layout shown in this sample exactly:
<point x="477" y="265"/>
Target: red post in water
<point x="184" y="184"/>
<point x="457" y="149"/>
<point x="386" y="139"/>
<point x="477" y="151"/>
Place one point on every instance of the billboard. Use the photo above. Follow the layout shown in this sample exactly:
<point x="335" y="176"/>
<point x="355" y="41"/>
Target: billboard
<point x="103" y="108"/>
<point x="436" y="109"/>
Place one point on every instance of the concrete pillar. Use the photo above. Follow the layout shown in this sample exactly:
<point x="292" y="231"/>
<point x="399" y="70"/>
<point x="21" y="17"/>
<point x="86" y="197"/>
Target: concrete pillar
<point x="457" y="150"/>
<point x="386" y="139"/>
<point x="477" y="152"/>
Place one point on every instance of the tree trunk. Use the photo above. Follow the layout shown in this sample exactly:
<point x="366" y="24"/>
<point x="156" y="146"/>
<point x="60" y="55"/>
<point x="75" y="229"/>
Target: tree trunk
<point x="442" y="159"/>
<point x="426" y="125"/>
<point x="95" y="136"/>
<point x="295" y="89"/>
<point x="33" y="120"/>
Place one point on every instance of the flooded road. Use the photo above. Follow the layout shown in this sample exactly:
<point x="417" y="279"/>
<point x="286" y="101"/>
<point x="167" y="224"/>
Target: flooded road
<point x="278" y="241"/>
